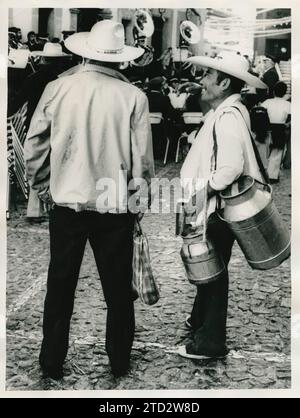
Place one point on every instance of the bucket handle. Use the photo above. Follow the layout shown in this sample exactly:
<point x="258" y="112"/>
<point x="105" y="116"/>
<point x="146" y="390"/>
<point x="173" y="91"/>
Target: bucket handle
<point x="218" y="211"/>
<point x="204" y="219"/>
<point x="267" y="185"/>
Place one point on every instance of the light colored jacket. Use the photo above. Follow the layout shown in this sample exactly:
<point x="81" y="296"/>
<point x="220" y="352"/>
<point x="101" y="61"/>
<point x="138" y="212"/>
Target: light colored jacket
<point x="235" y="153"/>
<point x="87" y="127"/>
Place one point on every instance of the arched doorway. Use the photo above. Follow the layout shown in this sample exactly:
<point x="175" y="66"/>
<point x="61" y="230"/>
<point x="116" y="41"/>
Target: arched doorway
<point x="44" y="15"/>
<point x="87" y="17"/>
<point x="157" y="37"/>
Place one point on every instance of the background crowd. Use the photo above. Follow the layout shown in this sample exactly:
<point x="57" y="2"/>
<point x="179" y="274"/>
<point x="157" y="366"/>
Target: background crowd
<point x="169" y="86"/>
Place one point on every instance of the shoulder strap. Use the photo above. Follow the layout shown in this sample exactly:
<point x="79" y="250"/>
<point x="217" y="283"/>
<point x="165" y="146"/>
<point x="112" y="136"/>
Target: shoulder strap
<point x="256" y="152"/>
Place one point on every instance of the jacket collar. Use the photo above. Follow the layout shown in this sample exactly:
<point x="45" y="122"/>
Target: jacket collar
<point x="104" y="70"/>
<point x="97" y="68"/>
<point x="229" y="101"/>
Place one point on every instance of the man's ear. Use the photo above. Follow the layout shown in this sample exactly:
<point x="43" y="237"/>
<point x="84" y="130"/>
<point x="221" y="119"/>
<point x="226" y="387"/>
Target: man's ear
<point x="225" y="83"/>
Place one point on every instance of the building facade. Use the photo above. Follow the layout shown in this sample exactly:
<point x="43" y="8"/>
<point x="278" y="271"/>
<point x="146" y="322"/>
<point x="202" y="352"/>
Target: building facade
<point x="54" y="21"/>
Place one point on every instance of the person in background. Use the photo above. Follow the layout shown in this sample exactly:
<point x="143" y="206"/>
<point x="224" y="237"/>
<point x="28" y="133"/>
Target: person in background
<point x="279" y="111"/>
<point x="42" y="38"/>
<point x="53" y="62"/>
<point x="269" y="77"/>
<point x="32" y="42"/>
<point x="136" y="81"/>
<point x="159" y="102"/>
<point x="173" y="85"/>
<point x="15" y="39"/>
<point x="90" y="126"/>
<point x="178" y="97"/>
<point x="66" y="34"/>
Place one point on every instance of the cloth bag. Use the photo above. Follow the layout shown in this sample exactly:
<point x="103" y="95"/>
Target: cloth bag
<point x="143" y="281"/>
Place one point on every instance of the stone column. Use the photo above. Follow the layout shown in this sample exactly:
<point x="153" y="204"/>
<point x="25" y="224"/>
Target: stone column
<point x="174" y="33"/>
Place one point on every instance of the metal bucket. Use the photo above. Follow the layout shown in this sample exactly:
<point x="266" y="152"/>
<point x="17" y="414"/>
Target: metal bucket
<point x="201" y="261"/>
<point x="262" y="235"/>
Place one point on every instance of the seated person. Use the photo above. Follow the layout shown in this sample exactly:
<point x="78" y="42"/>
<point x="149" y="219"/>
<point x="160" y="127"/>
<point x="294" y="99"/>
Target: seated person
<point x="158" y="102"/>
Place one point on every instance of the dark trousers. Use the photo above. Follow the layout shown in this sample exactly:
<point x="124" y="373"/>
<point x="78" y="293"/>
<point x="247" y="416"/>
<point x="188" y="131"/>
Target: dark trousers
<point x="111" y="238"/>
<point x="209" y="312"/>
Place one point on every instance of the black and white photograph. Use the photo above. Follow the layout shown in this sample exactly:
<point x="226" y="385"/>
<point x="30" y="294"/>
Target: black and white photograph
<point x="147" y="179"/>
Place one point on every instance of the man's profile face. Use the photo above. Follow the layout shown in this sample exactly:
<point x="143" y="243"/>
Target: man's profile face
<point x="32" y="37"/>
<point x="268" y="63"/>
<point x="211" y="90"/>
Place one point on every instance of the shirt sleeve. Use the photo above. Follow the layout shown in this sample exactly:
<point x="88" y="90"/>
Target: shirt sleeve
<point x="141" y="141"/>
<point x="230" y="159"/>
<point x="37" y="144"/>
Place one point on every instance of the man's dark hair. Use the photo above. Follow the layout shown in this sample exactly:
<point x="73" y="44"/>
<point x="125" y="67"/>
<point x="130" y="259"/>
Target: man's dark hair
<point x="236" y="84"/>
<point x="30" y="33"/>
<point x="114" y="65"/>
<point x="280" y="89"/>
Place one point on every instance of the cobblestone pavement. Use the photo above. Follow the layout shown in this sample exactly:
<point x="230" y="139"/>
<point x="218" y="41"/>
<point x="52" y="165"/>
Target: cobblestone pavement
<point x="258" y="317"/>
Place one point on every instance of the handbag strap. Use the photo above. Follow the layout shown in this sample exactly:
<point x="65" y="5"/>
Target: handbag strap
<point x="256" y="152"/>
<point x="137" y="227"/>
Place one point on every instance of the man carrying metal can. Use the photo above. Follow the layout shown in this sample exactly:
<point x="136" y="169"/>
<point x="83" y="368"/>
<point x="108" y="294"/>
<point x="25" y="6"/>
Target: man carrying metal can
<point x="221" y="152"/>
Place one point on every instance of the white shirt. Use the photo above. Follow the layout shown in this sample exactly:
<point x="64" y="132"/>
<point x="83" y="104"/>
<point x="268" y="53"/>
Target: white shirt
<point x="278" y="109"/>
<point x="178" y="100"/>
<point x="235" y="155"/>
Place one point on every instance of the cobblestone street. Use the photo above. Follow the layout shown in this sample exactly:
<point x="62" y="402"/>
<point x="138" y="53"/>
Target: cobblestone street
<point x="258" y="316"/>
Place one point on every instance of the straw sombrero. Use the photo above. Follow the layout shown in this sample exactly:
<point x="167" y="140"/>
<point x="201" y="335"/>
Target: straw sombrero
<point x="105" y="42"/>
<point x="50" y="50"/>
<point x="232" y="64"/>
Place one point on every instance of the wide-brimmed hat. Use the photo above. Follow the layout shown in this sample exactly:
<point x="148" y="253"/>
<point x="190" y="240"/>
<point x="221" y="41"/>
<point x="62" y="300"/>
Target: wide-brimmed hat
<point x="156" y="83"/>
<point x="232" y="64"/>
<point x="50" y="50"/>
<point x="105" y="42"/>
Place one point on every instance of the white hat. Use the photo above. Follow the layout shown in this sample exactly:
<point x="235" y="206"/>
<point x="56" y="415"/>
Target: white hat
<point x="18" y="58"/>
<point x="232" y="64"/>
<point x="50" y="50"/>
<point x="105" y="42"/>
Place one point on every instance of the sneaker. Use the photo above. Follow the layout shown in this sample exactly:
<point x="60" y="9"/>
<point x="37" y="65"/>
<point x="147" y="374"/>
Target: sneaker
<point x="183" y="353"/>
<point x="188" y="322"/>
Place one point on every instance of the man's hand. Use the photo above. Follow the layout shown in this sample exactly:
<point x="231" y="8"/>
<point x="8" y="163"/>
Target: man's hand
<point x="140" y="216"/>
<point x="45" y="196"/>
<point x="195" y="205"/>
<point x="190" y="87"/>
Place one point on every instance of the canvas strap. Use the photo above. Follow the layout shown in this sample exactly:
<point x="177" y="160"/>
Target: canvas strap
<point x="256" y="152"/>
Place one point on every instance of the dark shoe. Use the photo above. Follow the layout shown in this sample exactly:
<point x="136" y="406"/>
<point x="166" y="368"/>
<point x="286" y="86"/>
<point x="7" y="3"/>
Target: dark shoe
<point x="273" y="181"/>
<point x="55" y="372"/>
<point x="119" y="372"/>
<point x="35" y="219"/>
<point x="182" y="351"/>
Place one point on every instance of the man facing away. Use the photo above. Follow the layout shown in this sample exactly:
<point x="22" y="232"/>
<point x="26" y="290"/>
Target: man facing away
<point x="217" y="160"/>
<point x="87" y="127"/>
<point x="279" y="111"/>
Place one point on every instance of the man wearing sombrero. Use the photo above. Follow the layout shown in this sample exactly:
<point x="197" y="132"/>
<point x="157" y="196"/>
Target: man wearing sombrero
<point x="90" y="126"/>
<point x="221" y="152"/>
